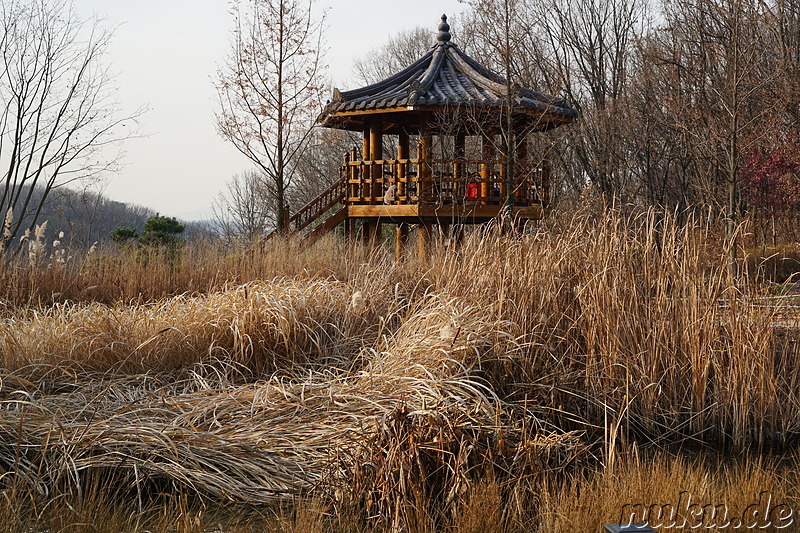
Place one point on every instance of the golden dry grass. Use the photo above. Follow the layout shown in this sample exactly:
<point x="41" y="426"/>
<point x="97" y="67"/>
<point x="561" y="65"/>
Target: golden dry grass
<point x="587" y="502"/>
<point x="284" y="435"/>
<point x="263" y="326"/>
<point x="511" y="384"/>
<point x="636" y="324"/>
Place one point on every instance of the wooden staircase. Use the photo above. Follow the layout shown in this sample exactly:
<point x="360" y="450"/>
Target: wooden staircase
<point x="324" y="204"/>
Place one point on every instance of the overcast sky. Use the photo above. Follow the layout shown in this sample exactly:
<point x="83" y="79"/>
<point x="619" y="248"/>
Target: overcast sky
<point x="166" y="53"/>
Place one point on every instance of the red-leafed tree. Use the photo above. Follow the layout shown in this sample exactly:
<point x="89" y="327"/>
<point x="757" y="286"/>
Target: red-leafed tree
<point x="770" y="176"/>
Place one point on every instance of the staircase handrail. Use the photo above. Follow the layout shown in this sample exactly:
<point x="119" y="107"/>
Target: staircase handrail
<point x="319" y="205"/>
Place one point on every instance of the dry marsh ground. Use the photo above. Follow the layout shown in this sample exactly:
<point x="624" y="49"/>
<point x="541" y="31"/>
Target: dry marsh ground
<point x="532" y="382"/>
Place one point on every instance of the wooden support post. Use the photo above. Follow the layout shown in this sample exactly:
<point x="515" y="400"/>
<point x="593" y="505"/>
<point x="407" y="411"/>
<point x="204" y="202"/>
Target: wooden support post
<point x="363" y="171"/>
<point x="445" y="227"/>
<point x="458" y="165"/>
<point x="402" y="153"/>
<point x="523" y="170"/>
<point x="371" y="231"/>
<point x="345" y="175"/>
<point x="377" y="233"/>
<point x="426" y="143"/>
<point x="353" y="188"/>
<point x="458" y="234"/>
<point x="400" y="240"/>
<point x="424" y="241"/>
<point x="366" y="148"/>
<point x="545" y="194"/>
<point x="487" y="149"/>
<point x="366" y="232"/>
<point x="376" y="154"/>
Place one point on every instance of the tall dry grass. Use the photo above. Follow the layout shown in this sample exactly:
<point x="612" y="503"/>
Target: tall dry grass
<point x="588" y="501"/>
<point x="109" y="275"/>
<point x="415" y="401"/>
<point x="582" y="502"/>
<point x="634" y="326"/>
<point x="462" y="392"/>
<point x="260" y="326"/>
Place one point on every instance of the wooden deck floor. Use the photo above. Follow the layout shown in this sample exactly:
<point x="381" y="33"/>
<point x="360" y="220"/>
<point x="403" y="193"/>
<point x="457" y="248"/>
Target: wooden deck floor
<point x="445" y="212"/>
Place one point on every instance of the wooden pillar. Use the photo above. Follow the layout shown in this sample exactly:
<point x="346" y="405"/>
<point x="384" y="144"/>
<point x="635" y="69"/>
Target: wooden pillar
<point x="425" y="171"/>
<point x="363" y="171"/>
<point x="371" y="231"/>
<point x="424" y="241"/>
<point x="400" y="240"/>
<point x="376" y="154"/>
<point x="523" y="177"/>
<point x="487" y="149"/>
<point x="458" y="234"/>
<point x="458" y="166"/>
<point x="376" y="189"/>
<point x="545" y="194"/>
<point x="353" y="190"/>
<point x="445" y="228"/>
<point x="365" y="152"/>
<point x="344" y="174"/>
<point x="402" y="153"/>
<point x="377" y="233"/>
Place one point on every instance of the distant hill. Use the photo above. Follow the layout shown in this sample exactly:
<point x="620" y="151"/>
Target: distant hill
<point x="87" y="217"/>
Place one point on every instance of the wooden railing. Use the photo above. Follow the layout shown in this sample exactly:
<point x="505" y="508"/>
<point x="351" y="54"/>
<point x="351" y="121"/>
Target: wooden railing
<point x="437" y="182"/>
<point x="460" y="181"/>
<point x="330" y="197"/>
<point x="335" y="194"/>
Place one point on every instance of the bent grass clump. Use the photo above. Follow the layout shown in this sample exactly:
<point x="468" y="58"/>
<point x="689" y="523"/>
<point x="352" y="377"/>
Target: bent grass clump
<point x="295" y="433"/>
<point x="263" y="326"/>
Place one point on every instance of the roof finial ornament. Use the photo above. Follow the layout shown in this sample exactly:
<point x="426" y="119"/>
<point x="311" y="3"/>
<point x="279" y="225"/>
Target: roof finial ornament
<point x="444" y="31"/>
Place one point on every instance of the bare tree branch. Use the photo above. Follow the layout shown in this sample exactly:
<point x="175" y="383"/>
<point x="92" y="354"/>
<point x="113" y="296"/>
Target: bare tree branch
<point x="270" y="89"/>
<point x="59" y="121"/>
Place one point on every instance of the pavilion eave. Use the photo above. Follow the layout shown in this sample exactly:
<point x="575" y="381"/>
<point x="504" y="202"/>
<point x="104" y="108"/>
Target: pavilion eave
<point x="407" y="118"/>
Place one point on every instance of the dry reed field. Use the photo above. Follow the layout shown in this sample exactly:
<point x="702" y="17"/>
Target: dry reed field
<point x="526" y="382"/>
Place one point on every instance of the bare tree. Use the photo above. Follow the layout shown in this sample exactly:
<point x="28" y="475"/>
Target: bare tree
<point x="81" y="212"/>
<point x="58" y="117"/>
<point x="243" y="213"/>
<point x="401" y="51"/>
<point x="715" y="56"/>
<point x="590" y="42"/>
<point x="576" y="48"/>
<point x="320" y="165"/>
<point x="783" y="18"/>
<point x="270" y="89"/>
<point x="507" y="36"/>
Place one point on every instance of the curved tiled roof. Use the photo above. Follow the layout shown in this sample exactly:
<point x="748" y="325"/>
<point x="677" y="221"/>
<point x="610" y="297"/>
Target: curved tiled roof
<point x="445" y="76"/>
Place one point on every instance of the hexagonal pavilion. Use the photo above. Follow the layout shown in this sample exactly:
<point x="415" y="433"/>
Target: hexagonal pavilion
<point x="445" y="142"/>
